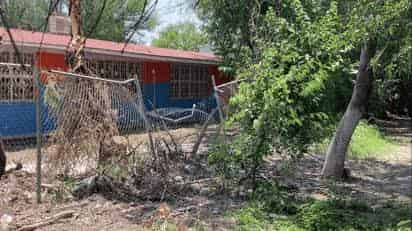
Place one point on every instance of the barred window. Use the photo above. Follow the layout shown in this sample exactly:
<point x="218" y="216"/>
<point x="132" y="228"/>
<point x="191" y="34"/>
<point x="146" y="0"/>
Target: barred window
<point x="116" y="70"/>
<point x="190" y="81"/>
<point x="16" y="84"/>
<point x="11" y="57"/>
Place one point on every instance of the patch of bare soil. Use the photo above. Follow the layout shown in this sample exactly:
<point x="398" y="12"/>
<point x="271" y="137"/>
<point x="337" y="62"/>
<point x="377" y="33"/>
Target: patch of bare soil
<point x="385" y="178"/>
<point x="198" y="203"/>
<point x="202" y="204"/>
<point x="375" y="181"/>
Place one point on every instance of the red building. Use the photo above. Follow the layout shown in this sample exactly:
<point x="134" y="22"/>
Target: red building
<point x="170" y="78"/>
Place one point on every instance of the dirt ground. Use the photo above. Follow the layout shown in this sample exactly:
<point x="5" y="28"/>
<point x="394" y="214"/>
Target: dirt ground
<point x="374" y="180"/>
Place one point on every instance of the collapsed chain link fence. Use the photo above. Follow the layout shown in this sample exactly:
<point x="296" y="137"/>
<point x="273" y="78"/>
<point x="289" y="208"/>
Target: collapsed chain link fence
<point x="85" y="121"/>
<point x="17" y="111"/>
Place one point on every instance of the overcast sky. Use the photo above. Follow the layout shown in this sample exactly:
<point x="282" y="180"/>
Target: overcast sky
<point x="171" y="12"/>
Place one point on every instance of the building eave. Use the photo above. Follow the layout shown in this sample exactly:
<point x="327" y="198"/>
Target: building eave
<point x="62" y="49"/>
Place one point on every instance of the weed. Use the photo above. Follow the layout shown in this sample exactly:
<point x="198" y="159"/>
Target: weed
<point x="333" y="214"/>
<point x="367" y="142"/>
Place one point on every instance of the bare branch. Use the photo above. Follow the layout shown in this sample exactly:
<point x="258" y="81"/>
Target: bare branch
<point x="145" y="14"/>
<point x="16" y="50"/>
<point x="52" y="8"/>
<point x="99" y="17"/>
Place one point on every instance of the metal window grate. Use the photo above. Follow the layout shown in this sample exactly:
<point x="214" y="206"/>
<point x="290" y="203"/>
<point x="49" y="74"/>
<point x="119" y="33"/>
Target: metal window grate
<point x="16" y="84"/>
<point x="115" y="70"/>
<point x="190" y="81"/>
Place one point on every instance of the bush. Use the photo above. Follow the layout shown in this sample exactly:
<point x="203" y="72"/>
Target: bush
<point x="287" y="104"/>
<point x="338" y="214"/>
<point x="332" y="215"/>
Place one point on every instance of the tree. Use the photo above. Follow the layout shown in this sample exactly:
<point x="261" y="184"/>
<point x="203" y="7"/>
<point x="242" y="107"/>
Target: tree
<point x="377" y="24"/>
<point x="183" y="36"/>
<point x="115" y="20"/>
<point x="297" y="51"/>
<point x="231" y="27"/>
<point x="286" y="104"/>
<point x="115" y="17"/>
<point x="25" y="14"/>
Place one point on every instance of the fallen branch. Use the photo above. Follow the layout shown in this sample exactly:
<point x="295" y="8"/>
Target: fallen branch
<point x="73" y="206"/>
<point x="184" y="210"/>
<point x="49" y="221"/>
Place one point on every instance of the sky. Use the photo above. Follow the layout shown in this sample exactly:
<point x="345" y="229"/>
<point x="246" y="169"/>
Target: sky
<point x="170" y="12"/>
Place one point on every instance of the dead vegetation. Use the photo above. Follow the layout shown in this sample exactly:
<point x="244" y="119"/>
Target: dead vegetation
<point x="190" y="196"/>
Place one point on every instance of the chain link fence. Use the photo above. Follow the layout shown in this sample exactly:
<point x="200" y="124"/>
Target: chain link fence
<point x="78" y="125"/>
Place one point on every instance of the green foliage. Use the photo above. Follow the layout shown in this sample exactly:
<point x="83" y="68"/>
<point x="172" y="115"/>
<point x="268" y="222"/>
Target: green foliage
<point x="389" y="22"/>
<point x="393" y="96"/>
<point x="352" y="215"/>
<point x="269" y="204"/>
<point x="232" y="26"/>
<point x="113" y="24"/>
<point x="62" y="193"/>
<point x="332" y="214"/>
<point x="284" y="107"/>
<point x="252" y="218"/>
<point x="116" y="17"/>
<point x="368" y="141"/>
<point x="273" y="198"/>
<point x="25" y="14"/>
<point x="300" y="57"/>
<point x="183" y="36"/>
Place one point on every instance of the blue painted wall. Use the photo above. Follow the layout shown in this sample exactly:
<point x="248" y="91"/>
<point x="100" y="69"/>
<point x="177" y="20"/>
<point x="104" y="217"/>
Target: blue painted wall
<point x="158" y="96"/>
<point x="18" y="119"/>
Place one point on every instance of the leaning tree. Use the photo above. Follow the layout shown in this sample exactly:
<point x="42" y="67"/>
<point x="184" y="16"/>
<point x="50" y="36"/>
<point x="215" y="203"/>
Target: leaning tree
<point x="384" y="29"/>
<point x="304" y="57"/>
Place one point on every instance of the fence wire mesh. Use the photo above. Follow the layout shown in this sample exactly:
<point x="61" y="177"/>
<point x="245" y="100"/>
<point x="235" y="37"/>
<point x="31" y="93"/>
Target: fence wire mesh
<point x="17" y="111"/>
<point x="87" y="122"/>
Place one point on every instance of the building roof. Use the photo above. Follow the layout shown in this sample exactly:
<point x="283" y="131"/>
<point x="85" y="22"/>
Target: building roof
<point x="57" y="41"/>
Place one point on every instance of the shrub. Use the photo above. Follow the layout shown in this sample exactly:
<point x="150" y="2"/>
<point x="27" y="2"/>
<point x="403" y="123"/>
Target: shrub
<point x="286" y="106"/>
<point x="262" y="213"/>
<point x="338" y="214"/>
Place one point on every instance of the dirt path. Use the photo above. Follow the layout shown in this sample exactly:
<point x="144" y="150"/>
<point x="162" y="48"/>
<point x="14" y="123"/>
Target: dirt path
<point x="376" y="180"/>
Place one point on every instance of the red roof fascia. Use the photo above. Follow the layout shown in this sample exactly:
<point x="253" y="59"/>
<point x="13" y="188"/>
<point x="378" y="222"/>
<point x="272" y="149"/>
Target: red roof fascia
<point x="29" y="37"/>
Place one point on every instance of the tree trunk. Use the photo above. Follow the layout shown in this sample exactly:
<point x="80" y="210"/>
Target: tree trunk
<point x="336" y="154"/>
<point x="2" y="159"/>
<point x="75" y="51"/>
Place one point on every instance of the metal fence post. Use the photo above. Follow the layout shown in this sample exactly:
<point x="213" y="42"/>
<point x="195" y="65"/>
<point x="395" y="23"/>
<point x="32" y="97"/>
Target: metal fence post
<point x="38" y="135"/>
<point x="219" y="107"/>
<point x="142" y="111"/>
